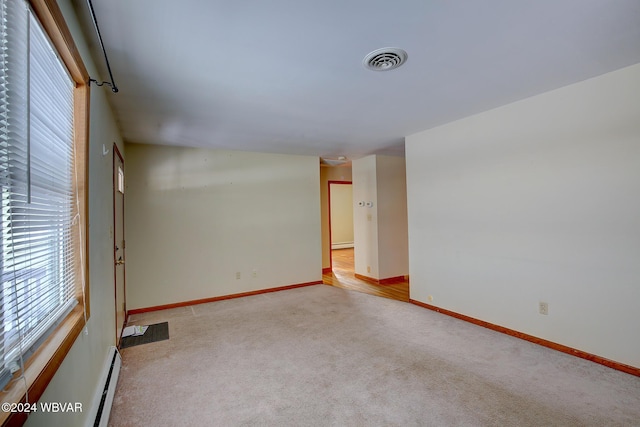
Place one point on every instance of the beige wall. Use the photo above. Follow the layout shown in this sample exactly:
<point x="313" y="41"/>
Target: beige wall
<point x="393" y="237"/>
<point x="341" y="214"/>
<point x="77" y="379"/>
<point x="196" y="217"/>
<point x="338" y="173"/>
<point x="365" y="220"/>
<point x="536" y="201"/>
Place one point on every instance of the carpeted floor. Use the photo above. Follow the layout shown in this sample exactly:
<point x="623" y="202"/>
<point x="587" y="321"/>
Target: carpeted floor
<point x="320" y="355"/>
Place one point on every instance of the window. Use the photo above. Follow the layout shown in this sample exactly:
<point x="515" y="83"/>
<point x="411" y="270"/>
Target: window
<point x="43" y="132"/>
<point x="120" y="179"/>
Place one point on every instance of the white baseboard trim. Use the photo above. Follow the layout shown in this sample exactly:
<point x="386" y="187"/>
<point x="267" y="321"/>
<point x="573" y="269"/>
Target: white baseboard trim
<point x="343" y="245"/>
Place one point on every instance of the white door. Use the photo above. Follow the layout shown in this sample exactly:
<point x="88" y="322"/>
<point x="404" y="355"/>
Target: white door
<point x="119" y="242"/>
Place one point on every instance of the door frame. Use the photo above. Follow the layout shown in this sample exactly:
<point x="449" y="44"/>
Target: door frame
<point x="329" y="216"/>
<point x="116" y="152"/>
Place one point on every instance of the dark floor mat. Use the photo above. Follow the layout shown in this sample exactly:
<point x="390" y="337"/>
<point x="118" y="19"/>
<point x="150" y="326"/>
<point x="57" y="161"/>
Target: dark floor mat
<point x="154" y="333"/>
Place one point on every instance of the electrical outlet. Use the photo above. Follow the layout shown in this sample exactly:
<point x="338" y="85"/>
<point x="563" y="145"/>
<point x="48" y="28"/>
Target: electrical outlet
<point x="237" y="275"/>
<point x="368" y="269"/>
<point x="543" y="308"/>
<point x="430" y="298"/>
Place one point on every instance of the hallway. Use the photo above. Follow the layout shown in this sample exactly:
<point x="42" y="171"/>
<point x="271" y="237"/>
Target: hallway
<point x="343" y="277"/>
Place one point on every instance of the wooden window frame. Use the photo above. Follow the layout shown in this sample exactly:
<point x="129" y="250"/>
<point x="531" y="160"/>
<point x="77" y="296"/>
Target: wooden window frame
<point x="43" y="364"/>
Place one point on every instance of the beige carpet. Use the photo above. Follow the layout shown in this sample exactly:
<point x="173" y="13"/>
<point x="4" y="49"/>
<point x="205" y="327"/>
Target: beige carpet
<point x="319" y="356"/>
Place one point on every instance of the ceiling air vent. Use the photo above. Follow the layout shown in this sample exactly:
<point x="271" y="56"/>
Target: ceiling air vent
<point x="341" y="160"/>
<point x="385" y="59"/>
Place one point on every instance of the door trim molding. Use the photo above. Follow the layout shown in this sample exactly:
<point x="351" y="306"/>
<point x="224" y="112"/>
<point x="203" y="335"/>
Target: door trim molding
<point x="116" y="152"/>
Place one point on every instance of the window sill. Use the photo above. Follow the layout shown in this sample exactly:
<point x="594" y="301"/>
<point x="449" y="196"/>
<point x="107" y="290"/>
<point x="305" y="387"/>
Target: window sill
<point x="42" y="366"/>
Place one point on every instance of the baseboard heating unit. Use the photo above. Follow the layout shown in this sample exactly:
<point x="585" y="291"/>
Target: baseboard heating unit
<point x="342" y="245"/>
<point x="103" y="401"/>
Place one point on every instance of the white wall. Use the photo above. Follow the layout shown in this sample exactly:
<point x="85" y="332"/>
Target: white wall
<point x="365" y="220"/>
<point x="342" y="215"/>
<point x="393" y="238"/>
<point x="536" y="201"/>
<point x="195" y="217"/>
<point x="77" y="378"/>
<point x="380" y="232"/>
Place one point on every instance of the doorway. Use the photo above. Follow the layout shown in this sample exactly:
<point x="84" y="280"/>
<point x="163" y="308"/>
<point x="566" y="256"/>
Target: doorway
<point x="341" y="253"/>
<point x="119" y="243"/>
<point x="340" y="199"/>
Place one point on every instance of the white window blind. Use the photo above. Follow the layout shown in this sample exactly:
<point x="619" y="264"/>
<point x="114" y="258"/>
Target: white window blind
<point x="38" y="187"/>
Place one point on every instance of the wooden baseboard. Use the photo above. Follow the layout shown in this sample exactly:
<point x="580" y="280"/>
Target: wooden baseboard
<point x="220" y="298"/>
<point x="387" y="281"/>
<point x="327" y="270"/>
<point x="392" y="280"/>
<point x="540" y="341"/>
<point x="366" y="279"/>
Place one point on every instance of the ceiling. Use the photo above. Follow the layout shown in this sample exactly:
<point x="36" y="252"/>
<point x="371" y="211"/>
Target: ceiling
<point x="286" y="76"/>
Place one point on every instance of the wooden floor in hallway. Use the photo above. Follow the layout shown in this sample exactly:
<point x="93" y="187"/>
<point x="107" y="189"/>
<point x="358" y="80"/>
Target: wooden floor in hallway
<point x="343" y="277"/>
